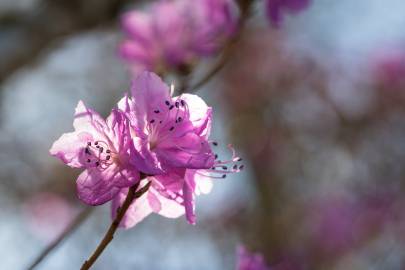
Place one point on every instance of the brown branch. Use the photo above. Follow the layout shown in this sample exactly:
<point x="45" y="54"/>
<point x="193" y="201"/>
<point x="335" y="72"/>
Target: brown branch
<point x="71" y="228"/>
<point x="108" y="237"/>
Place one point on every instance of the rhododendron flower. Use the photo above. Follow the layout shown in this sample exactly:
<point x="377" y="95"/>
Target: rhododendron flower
<point x="171" y="146"/>
<point x="173" y="34"/>
<point x="168" y="132"/>
<point x="276" y="9"/>
<point x="102" y="149"/>
<point x="250" y="261"/>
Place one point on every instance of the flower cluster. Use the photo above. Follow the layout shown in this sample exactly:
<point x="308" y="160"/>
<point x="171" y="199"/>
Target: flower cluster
<point x="149" y="133"/>
<point x="174" y="34"/>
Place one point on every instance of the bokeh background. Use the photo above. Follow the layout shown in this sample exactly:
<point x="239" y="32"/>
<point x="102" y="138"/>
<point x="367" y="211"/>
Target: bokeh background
<point x="316" y="107"/>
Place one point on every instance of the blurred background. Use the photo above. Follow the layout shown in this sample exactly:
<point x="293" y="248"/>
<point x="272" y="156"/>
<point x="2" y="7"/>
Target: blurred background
<point x="316" y="107"/>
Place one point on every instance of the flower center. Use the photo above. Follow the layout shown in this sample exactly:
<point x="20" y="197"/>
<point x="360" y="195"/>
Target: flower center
<point x="97" y="154"/>
<point x="164" y="121"/>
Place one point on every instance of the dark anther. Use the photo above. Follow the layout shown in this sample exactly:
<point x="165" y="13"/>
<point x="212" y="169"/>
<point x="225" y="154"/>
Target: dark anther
<point x="96" y="143"/>
<point x="107" y="157"/>
<point x="224" y="176"/>
<point x="167" y="102"/>
<point x="89" y="143"/>
<point x="241" y="167"/>
<point x="152" y="121"/>
<point x="224" y="168"/>
<point x="239" y="159"/>
<point x="235" y="167"/>
<point x="182" y="103"/>
<point x="108" y="151"/>
<point x="87" y="151"/>
<point x="97" y="146"/>
<point x="101" y="149"/>
<point x="215" y="143"/>
<point x="171" y="107"/>
<point x="176" y="104"/>
<point x="213" y="168"/>
<point x="160" y="122"/>
<point x="179" y="119"/>
<point x="156" y="111"/>
<point x="97" y="164"/>
<point x="216" y="156"/>
<point x="88" y="160"/>
<point x="171" y="128"/>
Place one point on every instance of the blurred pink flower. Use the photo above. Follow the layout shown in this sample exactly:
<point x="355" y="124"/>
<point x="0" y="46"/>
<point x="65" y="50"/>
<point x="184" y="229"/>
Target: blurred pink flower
<point x="47" y="215"/>
<point x="102" y="149"/>
<point x="173" y="34"/>
<point x="276" y="9"/>
<point x="250" y="261"/>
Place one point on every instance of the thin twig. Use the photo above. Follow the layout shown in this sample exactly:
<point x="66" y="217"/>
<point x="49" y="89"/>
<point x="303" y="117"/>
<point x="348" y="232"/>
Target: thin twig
<point x="71" y="228"/>
<point x="108" y="237"/>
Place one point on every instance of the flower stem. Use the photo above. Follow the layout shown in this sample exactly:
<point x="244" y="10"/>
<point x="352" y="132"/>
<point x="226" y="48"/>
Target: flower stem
<point x="108" y="237"/>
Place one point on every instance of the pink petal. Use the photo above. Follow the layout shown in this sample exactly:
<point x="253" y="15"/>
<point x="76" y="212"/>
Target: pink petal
<point x="149" y="93"/>
<point x="189" y="151"/>
<point x="189" y="204"/>
<point x="89" y="121"/>
<point x="138" y="26"/>
<point x="169" y="208"/>
<point x="200" y="114"/>
<point x="96" y="186"/>
<point x="68" y="148"/>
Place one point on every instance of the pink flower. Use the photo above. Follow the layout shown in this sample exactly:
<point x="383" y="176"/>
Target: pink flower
<point x="171" y="146"/>
<point x="176" y="33"/>
<point x="276" y="8"/>
<point x="173" y="194"/>
<point x="250" y="261"/>
<point x="169" y="133"/>
<point x="102" y="149"/>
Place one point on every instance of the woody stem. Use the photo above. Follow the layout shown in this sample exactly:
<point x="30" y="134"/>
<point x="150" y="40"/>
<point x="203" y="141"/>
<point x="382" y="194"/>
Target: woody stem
<point x="108" y="237"/>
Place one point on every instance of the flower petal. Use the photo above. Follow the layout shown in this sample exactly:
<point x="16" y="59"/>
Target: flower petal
<point x="200" y="115"/>
<point x="149" y="93"/>
<point x="96" y="186"/>
<point x="189" y="204"/>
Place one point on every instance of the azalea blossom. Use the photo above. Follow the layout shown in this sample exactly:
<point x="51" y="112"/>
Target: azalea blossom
<point x="171" y="145"/>
<point x="101" y="148"/>
<point x="174" y="34"/>
<point x="250" y="261"/>
<point x="276" y="9"/>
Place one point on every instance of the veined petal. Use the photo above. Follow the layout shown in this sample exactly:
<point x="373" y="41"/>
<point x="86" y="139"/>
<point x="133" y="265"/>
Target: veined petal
<point x="149" y="93"/>
<point x="200" y="115"/>
<point x="68" y="148"/>
<point x="86" y="119"/>
<point x="168" y="208"/>
<point x="189" y="151"/>
<point x="96" y="186"/>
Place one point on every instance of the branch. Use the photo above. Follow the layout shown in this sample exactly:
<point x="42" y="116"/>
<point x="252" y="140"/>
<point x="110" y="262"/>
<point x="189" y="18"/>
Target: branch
<point x="108" y="237"/>
<point x="71" y="228"/>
